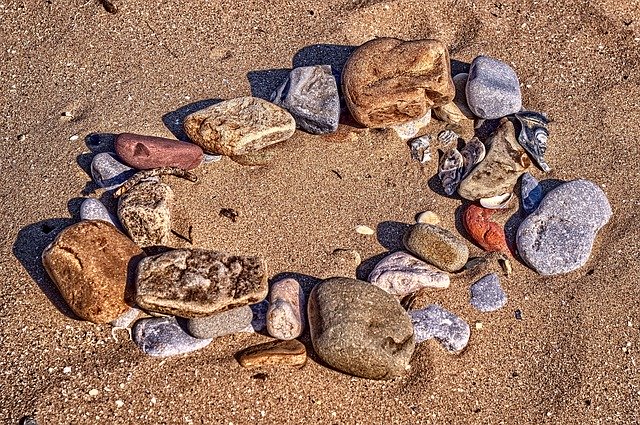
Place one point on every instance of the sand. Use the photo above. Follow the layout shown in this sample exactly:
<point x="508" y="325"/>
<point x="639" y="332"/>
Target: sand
<point x="573" y="356"/>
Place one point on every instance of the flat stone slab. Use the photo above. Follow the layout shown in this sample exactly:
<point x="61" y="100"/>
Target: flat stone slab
<point x="163" y="337"/>
<point x="291" y="353"/>
<point x="228" y="322"/>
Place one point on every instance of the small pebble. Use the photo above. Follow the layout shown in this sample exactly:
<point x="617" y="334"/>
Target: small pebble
<point x="126" y="319"/>
<point x="74" y="138"/>
<point x="420" y="149"/>
<point x="364" y="230"/>
<point x="93" y="209"/>
<point x="479" y="325"/>
<point x="28" y="420"/>
<point x="428" y="217"/>
<point x="285" y="317"/>
<point x="518" y="314"/>
<point x="94" y="392"/>
<point x="446" y="137"/>
<point x="436" y="322"/>
<point x="487" y="294"/>
<point x="108" y="172"/>
<point x="209" y="157"/>
<point x="21" y="137"/>
<point x="282" y="353"/>
<point x="226" y="323"/>
<point x="530" y="193"/>
<point x="163" y="337"/>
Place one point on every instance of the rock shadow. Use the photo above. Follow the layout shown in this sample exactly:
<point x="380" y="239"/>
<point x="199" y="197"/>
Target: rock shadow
<point x="366" y="267"/>
<point x="101" y="142"/>
<point x="390" y="234"/>
<point x="264" y="82"/>
<point x="174" y="120"/>
<point x="73" y="205"/>
<point x="459" y="67"/>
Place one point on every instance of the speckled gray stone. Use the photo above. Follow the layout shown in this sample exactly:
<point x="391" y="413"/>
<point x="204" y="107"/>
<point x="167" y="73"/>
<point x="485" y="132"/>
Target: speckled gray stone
<point x="310" y="94"/>
<point x="558" y="236"/>
<point x="401" y="274"/>
<point x="530" y="193"/>
<point x="92" y="209"/>
<point x="487" y="294"/>
<point x="108" y="172"/>
<point x="436" y="322"/>
<point x="163" y="337"/>
<point x="229" y="322"/>
<point x="493" y="89"/>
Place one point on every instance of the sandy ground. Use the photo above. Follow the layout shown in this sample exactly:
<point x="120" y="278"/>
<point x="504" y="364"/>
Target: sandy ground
<point x="573" y="358"/>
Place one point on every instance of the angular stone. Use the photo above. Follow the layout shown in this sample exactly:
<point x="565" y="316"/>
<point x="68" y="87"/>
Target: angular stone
<point x="437" y="246"/>
<point x="359" y="329"/>
<point x="483" y="230"/>
<point x="387" y="81"/>
<point x="90" y="263"/>
<point x="460" y="99"/>
<point x="530" y="193"/>
<point x="285" y="317"/>
<point x="92" y="209"/>
<point x="504" y="162"/>
<point x="487" y="294"/>
<point x="239" y="126"/>
<point x="145" y="213"/>
<point x="228" y="322"/>
<point x="401" y="274"/>
<point x="146" y="152"/>
<point x="310" y="94"/>
<point x="163" y="337"/>
<point x="493" y="89"/>
<point x="411" y="129"/>
<point x="558" y="237"/>
<point x="108" y="172"/>
<point x="198" y="283"/>
<point x="435" y="322"/>
<point x="275" y="353"/>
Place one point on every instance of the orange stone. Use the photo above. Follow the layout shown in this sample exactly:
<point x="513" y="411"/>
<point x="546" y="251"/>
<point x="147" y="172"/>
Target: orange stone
<point x="484" y="231"/>
<point x="287" y="353"/>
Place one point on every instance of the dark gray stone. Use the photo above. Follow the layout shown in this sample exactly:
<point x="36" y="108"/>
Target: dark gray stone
<point x="487" y="294"/>
<point x="92" y="209"/>
<point x="530" y="193"/>
<point x="163" y="337"/>
<point x="226" y="323"/>
<point x="108" y="172"/>
<point x="493" y="89"/>
<point x="310" y="94"/>
<point x="436" y="322"/>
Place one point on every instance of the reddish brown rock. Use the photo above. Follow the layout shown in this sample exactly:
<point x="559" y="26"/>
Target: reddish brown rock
<point x="286" y="353"/>
<point x="90" y="262"/>
<point x="387" y="81"/>
<point x="146" y="152"/>
<point x="484" y="231"/>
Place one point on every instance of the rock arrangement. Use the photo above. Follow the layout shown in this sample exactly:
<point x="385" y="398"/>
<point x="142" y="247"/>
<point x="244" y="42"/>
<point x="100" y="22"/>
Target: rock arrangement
<point x="357" y="327"/>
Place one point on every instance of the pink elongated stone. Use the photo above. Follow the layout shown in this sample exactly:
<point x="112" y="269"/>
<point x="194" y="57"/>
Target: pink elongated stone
<point x="401" y="274"/>
<point x="146" y="152"/>
<point x="285" y="318"/>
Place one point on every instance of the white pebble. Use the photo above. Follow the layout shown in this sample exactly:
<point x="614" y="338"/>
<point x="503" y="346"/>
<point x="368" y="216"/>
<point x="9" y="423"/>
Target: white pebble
<point x="119" y="403"/>
<point x="364" y="230"/>
<point x="428" y="217"/>
<point x="67" y="369"/>
<point x="74" y="137"/>
<point x="93" y="392"/>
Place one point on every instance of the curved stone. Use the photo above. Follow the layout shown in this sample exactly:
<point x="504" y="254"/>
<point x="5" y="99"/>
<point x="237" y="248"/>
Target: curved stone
<point x="437" y="246"/>
<point x="147" y="152"/>
<point x="401" y="274"/>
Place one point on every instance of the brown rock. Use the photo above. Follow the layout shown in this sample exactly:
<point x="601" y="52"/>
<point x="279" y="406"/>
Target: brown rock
<point x="89" y="263"/>
<point x="387" y="81"/>
<point x="146" y="152"/>
<point x="285" y="353"/>
<point x="437" y="246"/>
<point x="239" y="126"/>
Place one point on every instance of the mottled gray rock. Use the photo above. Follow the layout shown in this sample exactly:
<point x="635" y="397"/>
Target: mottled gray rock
<point x="145" y="213"/>
<point x="92" y="209"/>
<point x="487" y="294"/>
<point x="530" y="193"/>
<point x="163" y="337"/>
<point x="558" y="237"/>
<point x="420" y="149"/>
<point x="226" y="323"/>
<point x="285" y="317"/>
<point x="310" y="94"/>
<point x="126" y="319"/>
<point x="493" y="89"/>
<point x="437" y="246"/>
<point x="198" y="283"/>
<point x="359" y="329"/>
<point x="108" y="172"/>
<point x="401" y="274"/>
<point x="436" y="322"/>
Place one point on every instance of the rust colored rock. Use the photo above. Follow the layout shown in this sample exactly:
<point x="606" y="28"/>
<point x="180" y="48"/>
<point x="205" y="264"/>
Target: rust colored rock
<point x="387" y="81"/>
<point x="146" y="152"/>
<point x="90" y="262"/>
<point x="274" y="353"/>
<point x="484" y="231"/>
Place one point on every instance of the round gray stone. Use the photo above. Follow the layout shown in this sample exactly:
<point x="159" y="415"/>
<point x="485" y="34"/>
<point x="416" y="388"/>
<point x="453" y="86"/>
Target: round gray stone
<point x="493" y="89"/>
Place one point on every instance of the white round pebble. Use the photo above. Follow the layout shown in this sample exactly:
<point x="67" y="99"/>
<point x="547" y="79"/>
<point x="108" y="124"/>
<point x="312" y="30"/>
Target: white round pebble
<point x="428" y="217"/>
<point x="93" y="392"/>
<point x="364" y="230"/>
<point x="74" y="137"/>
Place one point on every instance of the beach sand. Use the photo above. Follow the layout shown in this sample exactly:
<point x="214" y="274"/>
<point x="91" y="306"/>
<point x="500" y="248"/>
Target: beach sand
<point x="572" y="358"/>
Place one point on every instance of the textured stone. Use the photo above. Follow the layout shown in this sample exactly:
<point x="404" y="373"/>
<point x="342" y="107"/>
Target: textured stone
<point x="275" y="353"/>
<point x="558" y="237"/>
<point x="239" y="126"/>
<point x="285" y="317"/>
<point x="387" y="81"/>
<point x="145" y="213"/>
<point x="401" y="274"/>
<point x="310" y="94"/>
<point x="226" y="323"/>
<point x="449" y="113"/>
<point x="447" y="328"/>
<point x="436" y="246"/>
<point x="428" y="217"/>
<point x="163" y="337"/>
<point x="420" y="149"/>
<point x="530" y="193"/>
<point x="146" y="152"/>
<point x="493" y="89"/>
<point x="92" y="209"/>
<point x="108" y="172"/>
<point x="90" y="263"/>
<point x="460" y="99"/>
<point x="487" y="294"/>
<point x="359" y="329"/>
<point x="198" y="283"/>
<point x="411" y="129"/>
<point x="504" y="162"/>
<point x="483" y="230"/>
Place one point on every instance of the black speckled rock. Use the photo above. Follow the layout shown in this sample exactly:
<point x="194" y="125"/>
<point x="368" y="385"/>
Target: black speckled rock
<point x="163" y="337"/>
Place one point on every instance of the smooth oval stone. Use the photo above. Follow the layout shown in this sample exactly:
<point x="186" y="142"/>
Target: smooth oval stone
<point x="275" y="353"/>
<point x="310" y="94"/>
<point x="558" y="236"/>
<point x="90" y="263"/>
<point x="387" y="81"/>
<point x="401" y="274"/>
<point x="239" y="126"/>
<point x="163" y="337"/>
<point x="228" y="322"/>
<point x="436" y="246"/>
<point x="92" y="209"/>
<point x="126" y="319"/>
<point x="108" y="172"/>
<point x="198" y="283"/>
<point x="360" y="329"/>
<point x="460" y="99"/>
<point x="285" y="317"/>
<point x="436" y="322"/>
<point x="487" y="294"/>
<point x="483" y="230"/>
<point x="530" y="193"/>
<point x="493" y="89"/>
<point x="145" y="213"/>
<point x="146" y="152"/>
